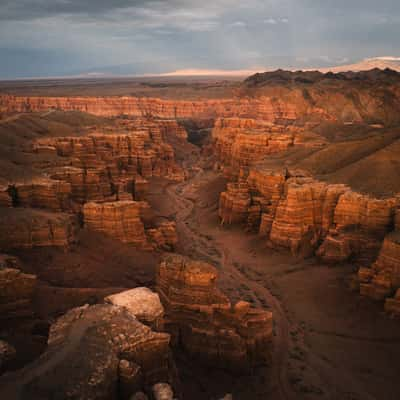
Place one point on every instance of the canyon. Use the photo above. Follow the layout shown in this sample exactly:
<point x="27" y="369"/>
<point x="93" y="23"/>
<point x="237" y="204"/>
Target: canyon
<point x="245" y="245"/>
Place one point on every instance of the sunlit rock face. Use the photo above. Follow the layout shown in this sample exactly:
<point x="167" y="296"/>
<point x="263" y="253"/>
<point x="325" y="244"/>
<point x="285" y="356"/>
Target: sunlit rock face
<point x="143" y="303"/>
<point x="96" y="352"/>
<point x="359" y="226"/>
<point x="123" y="220"/>
<point x="264" y="107"/>
<point x="202" y="319"/>
<point x="307" y="216"/>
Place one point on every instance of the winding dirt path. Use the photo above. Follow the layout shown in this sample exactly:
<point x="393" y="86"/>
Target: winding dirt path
<point x="212" y="249"/>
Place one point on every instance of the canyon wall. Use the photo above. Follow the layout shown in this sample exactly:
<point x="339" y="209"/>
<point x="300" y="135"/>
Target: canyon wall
<point x="97" y="176"/>
<point x="124" y="221"/>
<point x="203" y="320"/>
<point x="265" y="108"/>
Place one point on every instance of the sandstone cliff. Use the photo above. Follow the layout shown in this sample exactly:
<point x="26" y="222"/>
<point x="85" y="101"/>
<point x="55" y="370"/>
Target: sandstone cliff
<point x="202" y="319"/>
<point x="306" y="216"/>
<point x="124" y="220"/>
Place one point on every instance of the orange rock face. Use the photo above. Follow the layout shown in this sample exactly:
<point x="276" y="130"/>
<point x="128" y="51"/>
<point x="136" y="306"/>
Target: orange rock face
<point x="240" y="142"/>
<point x="304" y="214"/>
<point x="204" y="321"/>
<point x="123" y="220"/>
<point x="308" y="216"/>
<point x="359" y="225"/>
<point x="263" y="107"/>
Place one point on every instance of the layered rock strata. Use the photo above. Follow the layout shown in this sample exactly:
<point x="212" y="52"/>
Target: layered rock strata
<point x="383" y="278"/>
<point x="263" y="107"/>
<point x="202" y="319"/>
<point x="97" y="352"/>
<point x="123" y="220"/>
<point x="307" y="216"/>
<point x="27" y="228"/>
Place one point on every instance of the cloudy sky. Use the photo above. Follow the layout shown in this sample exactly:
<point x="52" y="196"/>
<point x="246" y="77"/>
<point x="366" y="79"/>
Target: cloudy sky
<point x="62" y="37"/>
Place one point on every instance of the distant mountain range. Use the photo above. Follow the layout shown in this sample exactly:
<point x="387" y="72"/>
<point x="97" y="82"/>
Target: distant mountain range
<point x="367" y="64"/>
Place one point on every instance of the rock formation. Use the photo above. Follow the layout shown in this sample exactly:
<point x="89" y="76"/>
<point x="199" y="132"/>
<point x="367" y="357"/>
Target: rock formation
<point x="144" y="304"/>
<point x="97" y="352"/>
<point x="203" y="320"/>
<point x="306" y="216"/>
<point x="27" y="227"/>
<point x="120" y="220"/>
<point x="383" y="278"/>
<point x="123" y="220"/>
<point x="16" y="289"/>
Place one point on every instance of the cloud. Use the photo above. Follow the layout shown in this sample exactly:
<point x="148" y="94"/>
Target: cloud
<point x="238" y="24"/>
<point x="62" y="35"/>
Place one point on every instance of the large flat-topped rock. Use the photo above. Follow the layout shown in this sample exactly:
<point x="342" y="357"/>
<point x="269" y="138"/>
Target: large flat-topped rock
<point x="143" y="303"/>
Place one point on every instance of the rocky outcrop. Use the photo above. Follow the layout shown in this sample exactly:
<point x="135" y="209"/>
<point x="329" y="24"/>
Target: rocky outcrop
<point x="306" y="216"/>
<point x="383" y="278"/>
<point x="51" y="194"/>
<point x="124" y="220"/>
<point x="264" y="107"/>
<point x="164" y="236"/>
<point x="27" y="228"/>
<point x="120" y="220"/>
<point x="16" y="289"/>
<point x="359" y="226"/>
<point x="97" y="352"/>
<point x="202" y="319"/>
<point x="144" y="304"/>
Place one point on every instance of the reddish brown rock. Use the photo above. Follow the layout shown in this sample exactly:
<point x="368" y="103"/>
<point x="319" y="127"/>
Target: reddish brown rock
<point x="95" y="352"/>
<point x="383" y="278"/>
<point x="16" y="289"/>
<point x="51" y="194"/>
<point x="120" y="220"/>
<point x="359" y="226"/>
<point x="28" y="227"/>
<point x="164" y="236"/>
<point x="203" y="320"/>
<point x="392" y="305"/>
<point x="304" y="214"/>
<point x="5" y="197"/>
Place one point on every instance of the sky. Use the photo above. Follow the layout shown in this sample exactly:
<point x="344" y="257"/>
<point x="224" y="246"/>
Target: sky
<point x="41" y="38"/>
